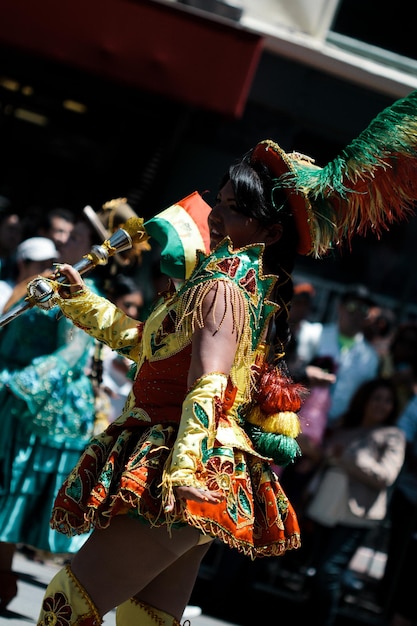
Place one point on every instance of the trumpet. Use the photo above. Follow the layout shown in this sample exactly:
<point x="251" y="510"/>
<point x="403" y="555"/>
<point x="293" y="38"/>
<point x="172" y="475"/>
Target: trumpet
<point x="40" y="290"/>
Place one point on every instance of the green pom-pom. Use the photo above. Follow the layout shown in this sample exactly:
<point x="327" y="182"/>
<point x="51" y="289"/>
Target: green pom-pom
<point x="281" y="448"/>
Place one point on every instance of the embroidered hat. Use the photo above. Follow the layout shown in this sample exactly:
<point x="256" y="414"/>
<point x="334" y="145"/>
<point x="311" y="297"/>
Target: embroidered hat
<point x="371" y="184"/>
<point x="281" y="163"/>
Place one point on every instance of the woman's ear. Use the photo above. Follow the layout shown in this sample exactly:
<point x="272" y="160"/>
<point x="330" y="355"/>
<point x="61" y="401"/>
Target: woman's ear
<point x="274" y="234"/>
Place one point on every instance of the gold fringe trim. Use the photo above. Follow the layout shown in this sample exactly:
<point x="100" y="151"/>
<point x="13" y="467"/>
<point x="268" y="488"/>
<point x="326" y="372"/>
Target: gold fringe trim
<point x="208" y="527"/>
<point x="227" y="300"/>
<point x="226" y="294"/>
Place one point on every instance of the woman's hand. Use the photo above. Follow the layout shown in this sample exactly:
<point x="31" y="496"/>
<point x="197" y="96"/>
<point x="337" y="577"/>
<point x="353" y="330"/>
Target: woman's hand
<point x="74" y="281"/>
<point x="196" y="495"/>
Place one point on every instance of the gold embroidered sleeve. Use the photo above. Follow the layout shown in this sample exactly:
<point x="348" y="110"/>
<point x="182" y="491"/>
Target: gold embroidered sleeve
<point x="185" y="465"/>
<point x="101" y="319"/>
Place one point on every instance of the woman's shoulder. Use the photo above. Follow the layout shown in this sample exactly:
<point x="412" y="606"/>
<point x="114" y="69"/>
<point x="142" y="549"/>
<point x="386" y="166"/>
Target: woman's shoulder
<point x="241" y="268"/>
<point x="228" y="285"/>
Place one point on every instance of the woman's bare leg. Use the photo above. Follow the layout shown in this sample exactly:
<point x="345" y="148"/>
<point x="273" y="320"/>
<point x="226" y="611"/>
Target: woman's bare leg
<point x="171" y="590"/>
<point x="116" y="563"/>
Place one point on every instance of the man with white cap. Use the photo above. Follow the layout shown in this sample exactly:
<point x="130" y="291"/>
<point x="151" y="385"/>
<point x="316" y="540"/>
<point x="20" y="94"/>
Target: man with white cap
<point x="33" y="257"/>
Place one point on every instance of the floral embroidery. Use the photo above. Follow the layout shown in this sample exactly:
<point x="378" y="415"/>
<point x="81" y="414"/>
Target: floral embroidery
<point x="57" y="610"/>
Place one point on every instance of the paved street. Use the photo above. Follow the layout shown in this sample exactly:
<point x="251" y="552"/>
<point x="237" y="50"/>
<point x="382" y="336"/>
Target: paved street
<point x="33" y="578"/>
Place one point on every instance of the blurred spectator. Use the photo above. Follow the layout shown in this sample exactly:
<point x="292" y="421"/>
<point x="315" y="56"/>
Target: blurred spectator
<point x="126" y="295"/>
<point x="313" y="418"/>
<point x="304" y="333"/>
<point x="401" y="363"/>
<point x="361" y="461"/>
<point x="57" y="225"/>
<point x="397" y="587"/>
<point x="10" y="237"/>
<point x="380" y="326"/>
<point x="33" y="257"/>
<point x="313" y="414"/>
<point x="341" y="360"/>
<point x="353" y="359"/>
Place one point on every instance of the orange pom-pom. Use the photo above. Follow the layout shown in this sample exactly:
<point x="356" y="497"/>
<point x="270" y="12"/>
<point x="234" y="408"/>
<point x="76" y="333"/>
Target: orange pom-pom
<point x="277" y="392"/>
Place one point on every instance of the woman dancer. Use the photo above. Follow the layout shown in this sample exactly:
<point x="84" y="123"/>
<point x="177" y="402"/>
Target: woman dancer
<point x="212" y="409"/>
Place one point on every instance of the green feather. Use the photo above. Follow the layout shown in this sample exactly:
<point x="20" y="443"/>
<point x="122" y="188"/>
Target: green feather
<point x="372" y="183"/>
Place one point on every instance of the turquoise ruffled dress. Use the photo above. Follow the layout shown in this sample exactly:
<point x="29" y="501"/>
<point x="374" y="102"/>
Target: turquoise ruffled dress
<point x="46" y="418"/>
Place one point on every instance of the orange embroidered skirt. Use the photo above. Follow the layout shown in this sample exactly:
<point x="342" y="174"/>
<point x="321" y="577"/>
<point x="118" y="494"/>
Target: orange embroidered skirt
<point x="120" y="472"/>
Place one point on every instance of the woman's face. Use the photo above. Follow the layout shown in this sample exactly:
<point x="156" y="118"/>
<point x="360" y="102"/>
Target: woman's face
<point x="225" y="220"/>
<point x="10" y="234"/>
<point x="131" y="304"/>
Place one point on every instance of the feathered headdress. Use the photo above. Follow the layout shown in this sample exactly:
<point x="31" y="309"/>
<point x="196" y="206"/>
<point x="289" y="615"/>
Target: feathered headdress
<point x="371" y="184"/>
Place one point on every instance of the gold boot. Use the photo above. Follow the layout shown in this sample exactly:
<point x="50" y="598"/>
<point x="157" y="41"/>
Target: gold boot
<point x="66" y="603"/>
<point x="135" y="612"/>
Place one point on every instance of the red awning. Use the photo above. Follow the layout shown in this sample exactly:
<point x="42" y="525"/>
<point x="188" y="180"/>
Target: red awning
<point x="163" y="49"/>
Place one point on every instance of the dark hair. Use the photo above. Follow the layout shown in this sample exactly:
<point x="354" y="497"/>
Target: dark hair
<point x="65" y="214"/>
<point x="6" y="207"/>
<point x="257" y="196"/>
<point x="354" y="415"/>
<point x="121" y="285"/>
<point x="359" y="293"/>
<point x="382" y="324"/>
<point x="403" y="347"/>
